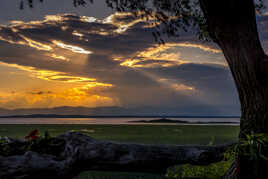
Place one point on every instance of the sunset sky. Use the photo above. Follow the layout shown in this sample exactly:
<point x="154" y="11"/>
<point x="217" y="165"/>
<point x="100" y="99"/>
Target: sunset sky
<point x="58" y="55"/>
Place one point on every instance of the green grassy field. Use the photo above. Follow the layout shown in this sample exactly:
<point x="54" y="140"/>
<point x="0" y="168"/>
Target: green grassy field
<point x="149" y="134"/>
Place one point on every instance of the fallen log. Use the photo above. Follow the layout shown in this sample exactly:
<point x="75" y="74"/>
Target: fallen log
<point x="71" y="153"/>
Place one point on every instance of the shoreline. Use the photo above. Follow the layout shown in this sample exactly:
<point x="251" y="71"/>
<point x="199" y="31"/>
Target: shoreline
<point x="111" y="116"/>
<point x="170" y="121"/>
<point x="122" y="121"/>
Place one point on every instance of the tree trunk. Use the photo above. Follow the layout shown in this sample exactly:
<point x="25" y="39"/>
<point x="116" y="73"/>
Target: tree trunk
<point x="72" y="153"/>
<point x="232" y="25"/>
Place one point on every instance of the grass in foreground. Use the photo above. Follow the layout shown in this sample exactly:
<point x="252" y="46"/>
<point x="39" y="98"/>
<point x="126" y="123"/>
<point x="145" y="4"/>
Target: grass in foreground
<point x="149" y="134"/>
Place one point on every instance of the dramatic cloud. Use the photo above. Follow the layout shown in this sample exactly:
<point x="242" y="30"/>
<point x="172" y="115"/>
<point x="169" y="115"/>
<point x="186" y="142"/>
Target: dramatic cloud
<point x="111" y="62"/>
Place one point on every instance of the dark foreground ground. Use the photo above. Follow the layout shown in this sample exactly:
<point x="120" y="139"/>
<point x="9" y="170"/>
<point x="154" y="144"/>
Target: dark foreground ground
<point x="149" y="134"/>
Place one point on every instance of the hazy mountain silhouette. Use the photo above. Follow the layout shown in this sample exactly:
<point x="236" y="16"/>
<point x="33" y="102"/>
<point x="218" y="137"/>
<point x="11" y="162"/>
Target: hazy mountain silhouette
<point x="117" y="111"/>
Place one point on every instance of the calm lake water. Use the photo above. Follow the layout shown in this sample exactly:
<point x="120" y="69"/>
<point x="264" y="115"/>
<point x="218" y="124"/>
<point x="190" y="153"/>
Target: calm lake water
<point x="109" y="121"/>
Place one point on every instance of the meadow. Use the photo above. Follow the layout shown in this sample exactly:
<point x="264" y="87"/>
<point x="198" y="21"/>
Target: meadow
<point x="147" y="134"/>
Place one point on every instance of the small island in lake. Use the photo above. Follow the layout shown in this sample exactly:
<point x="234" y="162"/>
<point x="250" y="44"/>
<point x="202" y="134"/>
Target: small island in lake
<point x="164" y="120"/>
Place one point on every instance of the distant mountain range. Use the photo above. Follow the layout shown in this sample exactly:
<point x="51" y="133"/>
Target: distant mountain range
<point x="117" y="111"/>
<point x="65" y="110"/>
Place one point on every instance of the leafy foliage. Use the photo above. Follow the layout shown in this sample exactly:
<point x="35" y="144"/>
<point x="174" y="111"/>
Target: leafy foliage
<point x="33" y="135"/>
<point x="259" y="4"/>
<point x="40" y="144"/>
<point x="212" y="171"/>
<point x="254" y="145"/>
<point x="169" y="17"/>
<point x="4" y="148"/>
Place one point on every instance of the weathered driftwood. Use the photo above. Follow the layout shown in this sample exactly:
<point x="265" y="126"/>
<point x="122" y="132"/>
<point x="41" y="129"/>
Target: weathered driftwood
<point x="71" y="153"/>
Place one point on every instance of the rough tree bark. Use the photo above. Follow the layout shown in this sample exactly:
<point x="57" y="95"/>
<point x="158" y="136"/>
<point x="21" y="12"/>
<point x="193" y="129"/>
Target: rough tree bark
<point x="71" y="153"/>
<point x="232" y="25"/>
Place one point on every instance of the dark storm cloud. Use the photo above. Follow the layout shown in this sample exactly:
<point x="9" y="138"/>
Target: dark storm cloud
<point x="108" y="45"/>
<point x="9" y="10"/>
<point x="104" y="47"/>
<point x="97" y="35"/>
